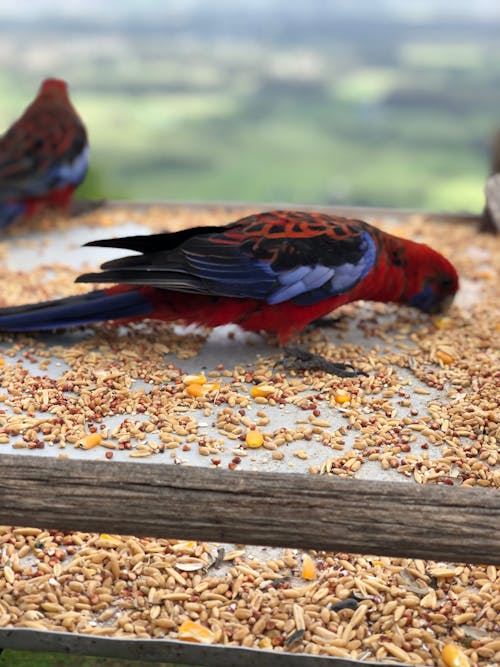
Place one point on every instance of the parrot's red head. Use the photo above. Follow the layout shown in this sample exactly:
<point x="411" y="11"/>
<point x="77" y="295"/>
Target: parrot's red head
<point x="54" y="87"/>
<point x="430" y="280"/>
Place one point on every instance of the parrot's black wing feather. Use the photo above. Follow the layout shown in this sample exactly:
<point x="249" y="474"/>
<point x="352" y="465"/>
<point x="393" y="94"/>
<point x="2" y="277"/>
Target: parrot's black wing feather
<point x="155" y="242"/>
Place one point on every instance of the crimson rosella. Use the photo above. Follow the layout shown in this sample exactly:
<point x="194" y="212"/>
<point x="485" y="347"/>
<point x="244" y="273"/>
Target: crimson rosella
<point x="43" y="156"/>
<point x="274" y="272"/>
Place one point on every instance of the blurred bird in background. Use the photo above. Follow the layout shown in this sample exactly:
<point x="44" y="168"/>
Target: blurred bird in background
<point x="43" y="155"/>
<point x="491" y="212"/>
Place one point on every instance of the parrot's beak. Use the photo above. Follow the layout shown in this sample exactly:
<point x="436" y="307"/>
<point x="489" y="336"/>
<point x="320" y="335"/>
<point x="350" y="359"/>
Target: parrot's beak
<point x="445" y="304"/>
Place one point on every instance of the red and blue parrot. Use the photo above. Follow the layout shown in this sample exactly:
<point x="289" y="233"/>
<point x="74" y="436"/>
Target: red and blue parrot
<point x="43" y="156"/>
<point x="274" y="272"/>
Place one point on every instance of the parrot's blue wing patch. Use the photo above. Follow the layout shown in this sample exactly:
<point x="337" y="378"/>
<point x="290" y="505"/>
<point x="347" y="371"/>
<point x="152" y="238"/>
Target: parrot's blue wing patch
<point x="234" y="273"/>
<point x="71" y="173"/>
<point x="30" y="174"/>
<point x="343" y="278"/>
<point x="304" y="270"/>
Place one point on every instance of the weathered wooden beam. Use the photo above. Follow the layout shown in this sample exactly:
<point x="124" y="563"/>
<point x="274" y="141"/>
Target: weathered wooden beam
<point x="357" y="516"/>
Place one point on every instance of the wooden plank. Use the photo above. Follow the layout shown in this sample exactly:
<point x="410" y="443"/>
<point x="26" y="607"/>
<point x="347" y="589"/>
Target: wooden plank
<point x="357" y="516"/>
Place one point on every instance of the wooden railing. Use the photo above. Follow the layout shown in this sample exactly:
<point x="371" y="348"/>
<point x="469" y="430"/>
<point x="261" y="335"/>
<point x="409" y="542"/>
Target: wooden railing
<point x="357" y="516"/>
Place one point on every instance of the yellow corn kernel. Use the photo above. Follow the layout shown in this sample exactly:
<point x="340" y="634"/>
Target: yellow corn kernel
<point x="195" y="390"/>
<point x="263" y="390"/>
<point x="453" y="656"/>
<point x="106" y="540"/>
<point x="89" y="441"/>
<point x="2" y="362"/>
<point x="444" y="357"/>
<point x="184" y="545"/>
<point x="485" y="274"/>
<point x="342" y="396"/>
<point x="211" y="386"/>
<point x="308" y="569"/>
<point x="442" y="322"/>
<point x="190" y="631"/>
<point x="194" y="379"/>
<point x="254" y="439"/>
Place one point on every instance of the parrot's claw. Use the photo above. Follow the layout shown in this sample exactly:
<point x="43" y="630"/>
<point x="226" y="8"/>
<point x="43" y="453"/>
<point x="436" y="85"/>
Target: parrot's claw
<point x="308" y="361"/>
<point x="326" y="323"/>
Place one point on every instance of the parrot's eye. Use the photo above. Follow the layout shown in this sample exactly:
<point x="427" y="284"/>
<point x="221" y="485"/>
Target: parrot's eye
<point x="446" y="283"/>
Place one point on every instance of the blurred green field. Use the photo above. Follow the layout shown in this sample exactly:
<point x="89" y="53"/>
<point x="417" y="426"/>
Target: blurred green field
<point x="320" y="121"/>
<point x="198" y="147"/>
<point x="11" y="658"/>
<point x="289" y="152"/>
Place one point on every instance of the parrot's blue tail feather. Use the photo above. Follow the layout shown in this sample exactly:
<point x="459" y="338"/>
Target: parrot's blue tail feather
<point x="9" y="211"/>
<point x="97" y="306"/>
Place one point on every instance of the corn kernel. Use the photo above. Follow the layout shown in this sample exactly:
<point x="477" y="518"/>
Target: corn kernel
<point x="194" y="379"/>
<point x="190" y="631"/>
<point x="485" y="274"/>
<point x="342" y="396"/>
<point x="2" y="362"/>
<point x="108" y="540"/>
<point x="185" y="545"/>
<point x="198" y="390"/>
<point x="442" y="322"/>
<point x="308" y="569"/>
<point x="444" y="357"/>
<point x="254" y="439"/>
<point x="453" y="656"/>
<point x="263" y="390"/>
<point x="89" y="441"/>
<point x="195" y="390"/>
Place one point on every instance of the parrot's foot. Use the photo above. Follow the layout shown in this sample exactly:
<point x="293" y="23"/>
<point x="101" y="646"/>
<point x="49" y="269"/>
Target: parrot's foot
<point x="308" y="361"/>
<point x="325" y="323"/>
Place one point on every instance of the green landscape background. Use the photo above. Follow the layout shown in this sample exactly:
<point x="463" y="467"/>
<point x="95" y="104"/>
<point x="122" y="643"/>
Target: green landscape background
<point x="316" y="102"/>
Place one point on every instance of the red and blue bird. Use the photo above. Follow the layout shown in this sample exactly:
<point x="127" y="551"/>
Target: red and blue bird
<point x="275" y="272"/>
<point x="43" y="155"/>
